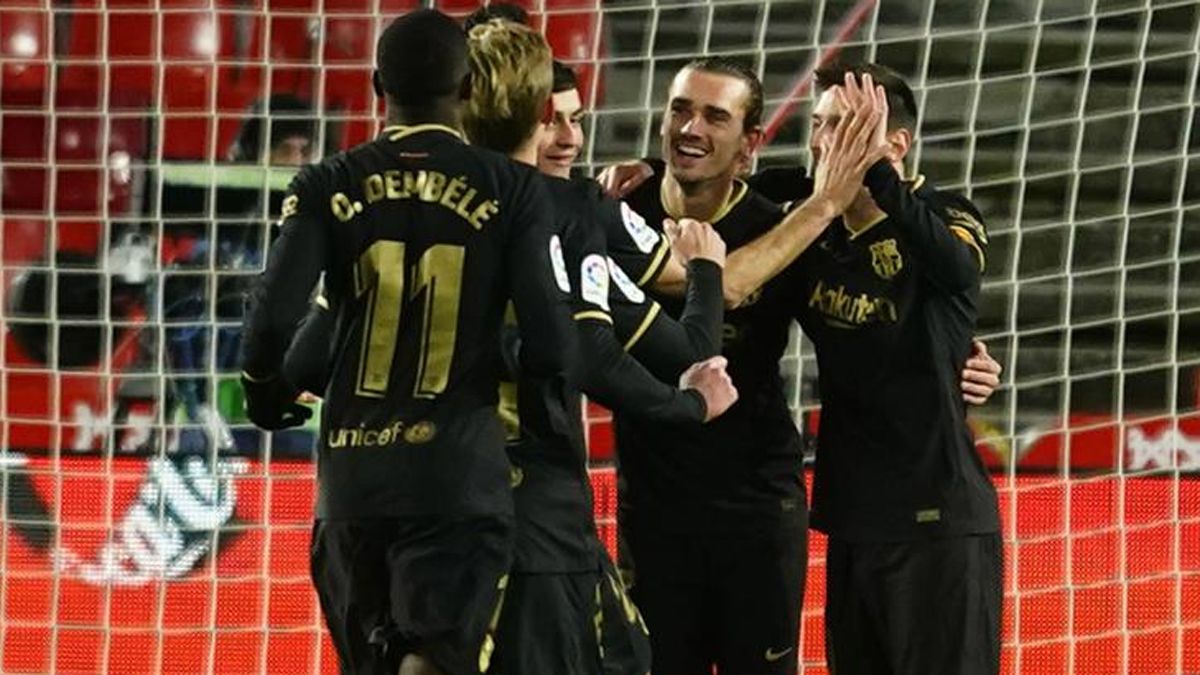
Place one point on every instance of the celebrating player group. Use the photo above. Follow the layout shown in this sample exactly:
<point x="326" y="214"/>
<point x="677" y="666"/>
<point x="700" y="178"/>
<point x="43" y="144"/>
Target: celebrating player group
<point x="452" y="293"/>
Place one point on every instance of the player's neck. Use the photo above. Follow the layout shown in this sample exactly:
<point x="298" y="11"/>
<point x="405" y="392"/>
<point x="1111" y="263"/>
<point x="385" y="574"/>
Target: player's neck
<point x="700" y="200"/>
<point x="527" y="153"/>
<point x="445" y="113"/>
<point x="862" y="212"/>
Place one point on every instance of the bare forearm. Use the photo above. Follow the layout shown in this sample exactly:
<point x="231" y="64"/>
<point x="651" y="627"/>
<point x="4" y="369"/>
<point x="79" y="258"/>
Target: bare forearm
<point x="756" y="263"/>
<point x="672" y="281"/>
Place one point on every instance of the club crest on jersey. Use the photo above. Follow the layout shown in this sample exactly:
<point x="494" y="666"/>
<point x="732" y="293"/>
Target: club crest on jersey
<point x="885" y="258"/>
<point x="625" y="284"/>
<point x="643" y="236"/>
<point x="559" y="265"/>
<point x="593" y="280"/>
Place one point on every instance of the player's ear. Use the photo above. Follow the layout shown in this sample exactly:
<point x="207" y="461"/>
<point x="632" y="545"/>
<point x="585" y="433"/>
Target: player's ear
<point x="548" y="111"/>
<point x="377" y="83"/>
<point x="899" y="143"/>
<point x="751" y="140"/>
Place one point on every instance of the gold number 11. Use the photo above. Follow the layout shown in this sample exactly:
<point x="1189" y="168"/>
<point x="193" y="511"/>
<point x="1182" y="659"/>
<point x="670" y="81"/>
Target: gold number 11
<point x="381" y="275"/>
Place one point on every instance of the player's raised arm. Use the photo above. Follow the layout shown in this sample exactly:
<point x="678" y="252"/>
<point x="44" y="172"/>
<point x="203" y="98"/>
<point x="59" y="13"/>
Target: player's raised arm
<point x="839" y="176"/>
<point x="278" y="302"/>
<point x="950" y="240"/>
<point x="751" y="266"/>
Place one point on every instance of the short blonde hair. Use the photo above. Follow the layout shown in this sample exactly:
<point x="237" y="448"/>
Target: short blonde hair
<point x="510" y="80"/>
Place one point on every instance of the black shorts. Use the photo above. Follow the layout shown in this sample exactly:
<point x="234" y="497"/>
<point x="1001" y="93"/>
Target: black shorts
<point x="930" y="606"/>
<point x="578" y="623"/>
<point x="432" y="586"/>
<point x="624" y="637"/>
<point x="731" y="600"/>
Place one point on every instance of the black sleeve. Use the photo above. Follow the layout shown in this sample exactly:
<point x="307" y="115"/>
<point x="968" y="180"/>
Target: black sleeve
<point x="637" y="246"/>
<point x="610" y="375"/>
<point x="616" y="380"/>
<point x="280" y="296"/>
<point x="949" y="243"/>
<point x="547" y="338"/>
<point x="308" y="359"/>
<point x="668" y="347"/>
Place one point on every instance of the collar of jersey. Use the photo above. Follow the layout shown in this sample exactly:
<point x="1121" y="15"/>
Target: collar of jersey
<point x="915" y="182"/>
<point x="855" y="234"/>
<point x="398" y="131"/>
<point x="735" y="196"/>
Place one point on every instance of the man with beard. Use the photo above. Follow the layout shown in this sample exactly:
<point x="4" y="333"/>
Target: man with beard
<point x="935" y="532"/>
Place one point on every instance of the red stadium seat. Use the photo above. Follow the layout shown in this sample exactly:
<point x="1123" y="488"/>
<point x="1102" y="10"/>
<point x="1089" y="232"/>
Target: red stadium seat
<point x="138" y="34"/>
<point x="188" y="36"/>
<point x="24" y="34"/>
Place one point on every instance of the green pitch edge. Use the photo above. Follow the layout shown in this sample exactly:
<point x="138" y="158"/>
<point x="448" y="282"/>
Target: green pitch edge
<point x="210" y="175"/>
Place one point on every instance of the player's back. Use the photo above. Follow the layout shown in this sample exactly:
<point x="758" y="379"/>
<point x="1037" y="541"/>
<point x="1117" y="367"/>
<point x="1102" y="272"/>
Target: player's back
<point x="425" y="234"/>
<point x="555" y="528"/>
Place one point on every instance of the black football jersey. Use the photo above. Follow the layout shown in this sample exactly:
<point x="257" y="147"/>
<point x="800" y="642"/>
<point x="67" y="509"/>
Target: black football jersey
<point x="636" y="246"/>
<point x="555" y="523"/>
<point x="742" y="471"/>
<point x="423" y="240"/>
<point x="782" y="184"/>
<point x="891" y="310"/>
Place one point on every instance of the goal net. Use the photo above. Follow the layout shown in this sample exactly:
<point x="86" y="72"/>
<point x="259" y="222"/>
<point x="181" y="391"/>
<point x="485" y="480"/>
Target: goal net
<point x="145" y="526"/>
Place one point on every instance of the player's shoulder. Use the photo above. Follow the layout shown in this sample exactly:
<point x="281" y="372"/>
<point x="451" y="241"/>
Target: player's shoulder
<point x="343" y="169"/>
<point x="754" y="207"/>
<point x="320" y="174"/>
<point x="940" y="196"/>
<point x="576" y="203"/>
<point x="646" y="198"/>
<point x="496" y="161"/>
<point x="573" y="192"/>
<point x="955" y="207"/>
<point x="782" y="184"/>
<point x="954" y="203"/>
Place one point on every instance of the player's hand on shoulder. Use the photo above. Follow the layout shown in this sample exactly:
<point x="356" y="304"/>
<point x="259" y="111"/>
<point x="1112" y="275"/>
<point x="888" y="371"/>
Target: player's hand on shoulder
<point x="619" y="180"/>
<point x="712" y="382"/>
<point x="271" y="403"/>
<point x="691" y="239"/>
<point x="980" y="375"/>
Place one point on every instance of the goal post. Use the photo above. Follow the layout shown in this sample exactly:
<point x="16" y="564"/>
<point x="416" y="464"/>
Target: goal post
<point x="145" y="526"/>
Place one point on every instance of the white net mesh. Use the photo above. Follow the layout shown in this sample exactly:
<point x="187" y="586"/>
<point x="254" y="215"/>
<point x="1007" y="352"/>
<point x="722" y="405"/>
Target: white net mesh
<point x="147" y="528"/>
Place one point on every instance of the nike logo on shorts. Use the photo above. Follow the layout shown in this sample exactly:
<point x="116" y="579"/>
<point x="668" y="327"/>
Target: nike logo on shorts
<point x="771" y="655"/>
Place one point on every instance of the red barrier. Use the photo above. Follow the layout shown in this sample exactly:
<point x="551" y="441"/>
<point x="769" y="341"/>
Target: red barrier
<point x="1098" y="562"/>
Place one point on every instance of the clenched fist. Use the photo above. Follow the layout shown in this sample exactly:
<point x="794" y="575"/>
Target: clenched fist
<point x="710" y="379"/>
<point x="692" y="239"/>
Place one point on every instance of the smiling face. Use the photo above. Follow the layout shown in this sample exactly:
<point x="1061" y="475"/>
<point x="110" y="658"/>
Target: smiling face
<point x="703" y="135"/>
<point x="562" y="139"/>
